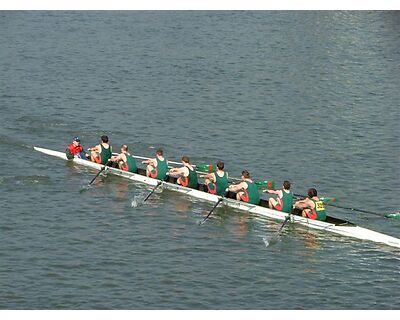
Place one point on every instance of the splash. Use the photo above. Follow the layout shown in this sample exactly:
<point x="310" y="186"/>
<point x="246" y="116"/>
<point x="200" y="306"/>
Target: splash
<point x="269" y="241"/>
<point x="137" y="201"/>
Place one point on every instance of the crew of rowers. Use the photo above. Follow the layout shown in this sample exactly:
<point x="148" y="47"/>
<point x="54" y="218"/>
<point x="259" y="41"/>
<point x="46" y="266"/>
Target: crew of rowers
<point x="216" y="182"/>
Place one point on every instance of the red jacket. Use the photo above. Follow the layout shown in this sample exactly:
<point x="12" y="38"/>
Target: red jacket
<point x="75" y="150"/>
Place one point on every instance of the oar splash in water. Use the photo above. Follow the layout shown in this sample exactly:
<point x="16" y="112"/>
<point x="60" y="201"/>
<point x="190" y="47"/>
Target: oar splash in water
<point x="103" y="170"/>
<point x="275" y="238"/>
<point x="139" y="200"/>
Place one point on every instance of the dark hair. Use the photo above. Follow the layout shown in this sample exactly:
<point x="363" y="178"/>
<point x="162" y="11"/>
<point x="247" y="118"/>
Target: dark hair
<point x="220" y="165"/>
<point x="312" y="192"/>
<point x="246" y="174"/>
<point x="286" y="184"/>
<point x="124" y="147"/>
<point x="104" y="139"/>
<point x="185" y="159"/>
<point x="160" y="152"/>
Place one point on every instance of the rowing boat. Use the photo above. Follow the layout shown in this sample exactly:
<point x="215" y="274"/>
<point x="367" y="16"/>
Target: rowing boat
<point x="332" y="224"/>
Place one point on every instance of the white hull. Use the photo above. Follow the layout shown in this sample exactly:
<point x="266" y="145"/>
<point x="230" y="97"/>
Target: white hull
<point x="346" y="230"/>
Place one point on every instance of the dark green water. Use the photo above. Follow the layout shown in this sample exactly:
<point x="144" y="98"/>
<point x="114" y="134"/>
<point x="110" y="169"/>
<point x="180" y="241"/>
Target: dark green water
<point x="312" y="97"/>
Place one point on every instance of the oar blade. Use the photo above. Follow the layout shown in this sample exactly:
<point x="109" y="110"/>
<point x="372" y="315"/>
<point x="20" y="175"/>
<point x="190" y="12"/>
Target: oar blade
<point x="208" y="168"/>
<point x="395" y="215"/>
<point x="329" y="200"/>
<point x="270" y="185"/>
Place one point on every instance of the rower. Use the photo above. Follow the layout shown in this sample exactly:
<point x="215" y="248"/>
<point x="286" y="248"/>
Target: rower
<point x="284" y="202"/>
<point x="157" y="168"/>
<point x="217" y="182"/>
<point x="313" y="208"/>
<point x="75" y="150"/>
<point x="125" y="160"/>
<point x="187" y="176"/>
<point x="102" y="152"/>
<point x="247" y="190"/>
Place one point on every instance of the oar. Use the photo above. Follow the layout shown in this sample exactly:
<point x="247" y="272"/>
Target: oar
<point x="98" y="173"/>
<point x="395" y="215"/>
<point x="330" y="201"/>
<point x="146" y="158"/>
<point x="211" y="211"/>
<point x="136" y="202"/>
<point x="85" y="188"/>
<point x="283" y="224"/>
<point x="273" y="239"/>
<point x="208" y="168"/>
<point x="152" y="191"/>
<point x="270" y="185"/>
<point x="326" y="200"/>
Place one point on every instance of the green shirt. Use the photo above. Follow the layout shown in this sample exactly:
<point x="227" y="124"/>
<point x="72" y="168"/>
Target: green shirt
<point x="287" y="200"/>
<point x="221" y="183"/>
<point x="105" y="154"/>
<point x="319" y="209"/>
<point x="131" y="162"/>
<point x="162" y="169"/>
<point x="193" y="182"/>
<point x="252" y="192"/>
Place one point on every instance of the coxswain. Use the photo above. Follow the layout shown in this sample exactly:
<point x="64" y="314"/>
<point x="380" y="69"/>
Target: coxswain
<point x="217" y="181"/>
<point x="157" y="168"/>
<point x="313" y="208"/>
<point x="75" y="150"/>
<point x="284" y="201"/>
<point x="125" y="160"/>
<point x="187" y="176"/>
<point x="102" y="152"/>
<point x="247" y="190"/>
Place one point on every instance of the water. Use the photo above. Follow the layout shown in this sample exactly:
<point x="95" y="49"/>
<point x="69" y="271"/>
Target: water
<point x="307" y="96"/>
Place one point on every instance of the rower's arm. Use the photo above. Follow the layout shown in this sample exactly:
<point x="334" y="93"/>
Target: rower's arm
<point x="150" y="161"/>
<point x="210" y="176"/>
<point x="302" y="204"/>
<point x="236" y="187"/>
<point x="177" y="172"/>
<point x="272" y="191"/>
<point x="116" y="158"/>
<point x="95" y="148"/>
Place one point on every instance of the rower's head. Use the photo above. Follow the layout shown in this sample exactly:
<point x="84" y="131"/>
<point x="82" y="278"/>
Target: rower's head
<point x="185" y="159"/>
<point x="220" y="165"/>
<point x="160" y="152"/>
<point x="104" y="139"/>
<point x="245" y="174"/>
<point x="124" y="148"/>
<point x="312" y="192"/>
<point x="76" y="141"/>
<point x="286" y="185"/>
